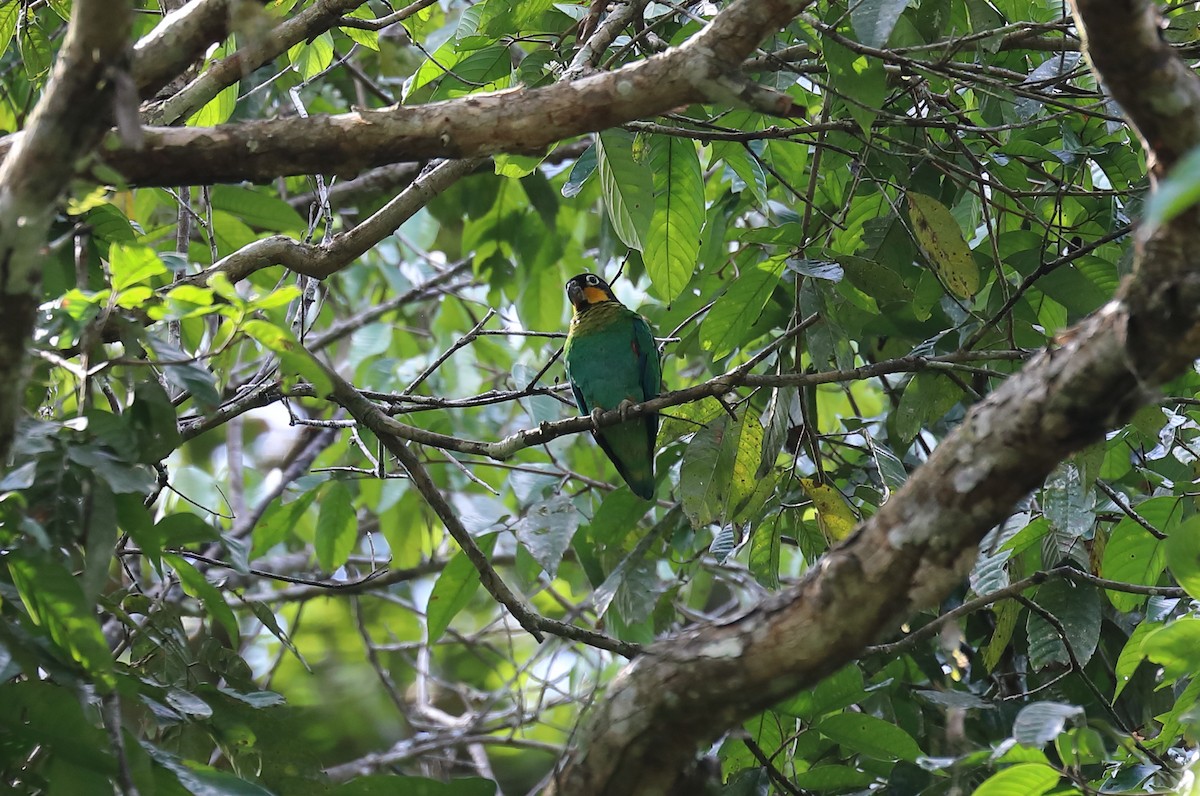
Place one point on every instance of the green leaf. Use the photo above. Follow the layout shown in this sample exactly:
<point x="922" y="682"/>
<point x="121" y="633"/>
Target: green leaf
<point x="1131" y="655"/>
<point x="584" y="167"/>
<point x="201" y="779"/>
<point x="1174" y="647"/>
<point x="873" y="20"/>
<point x="835" y="518"/>
<point x="833" y="778"/>
<point x="837" y="691"/>
<point x="875" y="279"/>
<point x="926" y="398"/>
<point x="746" y="168"/>
<point x="1042" y="722"/>
<point x="40" y="713"/>
<point x="727" y="325"/>
<point x="1067" y="504"/>
<point x="856" y="76"/>
<point x="280" y="522"/>
<point x="1078" y="609"/>
<point x="133" y="264"/>
<point x="484" y="70"/>
<point x="109" y="224"/>
<point x="219" y="108"/>
<point x="264" y="614"/>
<point x="1179" y="191"/>
<point x="1182" y="714"/>
<point x="134" y="518"/>
<point x="294" y="358"/>
<point x="1182" y="550"/>
<point x="617" y="517"/>
<point x="891" y="469"/>
<point x="313" y="57"/>
<point x="1081" y="747"/>
<point x="337" y="528"/>
<point x="190" y="377"/>
<point x="626" y="187"/>
<point x="56" y="603"/>
<point x="541" y="298"/>
<point x="871" y="736"/>
<point x="367" y="38"/>
<point x="940" y="237"/>
<point x="258" y="209"/>
<point x="197" y="586"/>
<point x="183" y="529"/>
<point x="453" y="590"/>
<point x="1007" y="612"/>
<point x="719" y="468"/>
<point x="546" y="531"/>
<point x="100" y="543"/>
<point x="154" y="422"/>
<point x="637" y="590"/>
<point x="1025" y="538"/>
<point x="1132" y="555"/>
<point x="65" y="776"/>
<point x="673" y="237"/>
<point x="188" y="703"/>
<point x="1023" y="779"/>
<point x="9" y="14"/>
<point x="468" y="24"/>
<point x="445" y="57"/>
<point x="36" y="54"/>
<point x="121" y="478"/>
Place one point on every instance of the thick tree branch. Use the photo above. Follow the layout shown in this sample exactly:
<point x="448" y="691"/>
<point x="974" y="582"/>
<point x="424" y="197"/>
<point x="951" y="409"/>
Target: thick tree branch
<point x="177" y="42"/>
<point x="686" y="691"/>
<point x="1154" y="87"/>
<point x="66" y="125"/>
<point x="309" y="23"/>
<point x="520" y="120"/>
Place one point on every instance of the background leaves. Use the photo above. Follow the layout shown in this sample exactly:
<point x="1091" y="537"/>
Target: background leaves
<point x="208" y="557"/>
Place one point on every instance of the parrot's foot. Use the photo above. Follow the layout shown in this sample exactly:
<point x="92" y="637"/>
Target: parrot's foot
<point x="624" y="407"/>
<point x="596" y="413"/>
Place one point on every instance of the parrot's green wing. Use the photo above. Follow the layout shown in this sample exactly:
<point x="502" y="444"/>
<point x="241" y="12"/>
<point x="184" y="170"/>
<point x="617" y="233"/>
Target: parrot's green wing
<point x="611" y="358"/>
<point x="651" y="370"/>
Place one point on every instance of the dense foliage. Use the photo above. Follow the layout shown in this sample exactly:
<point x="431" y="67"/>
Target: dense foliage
<point x="217" y="579"/>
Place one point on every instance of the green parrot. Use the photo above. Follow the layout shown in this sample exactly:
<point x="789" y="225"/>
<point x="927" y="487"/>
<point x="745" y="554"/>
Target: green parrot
<point x="612" y="362"/>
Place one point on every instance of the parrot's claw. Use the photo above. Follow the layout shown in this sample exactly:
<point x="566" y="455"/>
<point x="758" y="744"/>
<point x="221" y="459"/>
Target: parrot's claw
<point x="596" y="413"/>
<point x="624" y="408"/>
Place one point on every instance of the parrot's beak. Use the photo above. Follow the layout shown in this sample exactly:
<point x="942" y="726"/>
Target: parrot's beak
<point x="575" y="295"/>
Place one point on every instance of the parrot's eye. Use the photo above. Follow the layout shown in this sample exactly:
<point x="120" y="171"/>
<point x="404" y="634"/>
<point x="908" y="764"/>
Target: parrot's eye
<point x="592" y="280"/>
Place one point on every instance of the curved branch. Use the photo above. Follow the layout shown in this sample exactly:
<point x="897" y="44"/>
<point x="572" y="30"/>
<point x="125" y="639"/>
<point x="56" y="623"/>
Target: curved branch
<point x="325" y="259"/>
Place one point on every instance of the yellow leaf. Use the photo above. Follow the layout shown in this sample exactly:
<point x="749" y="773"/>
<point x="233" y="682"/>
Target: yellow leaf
<point x="834" y="516"/>
<point x="941" y="239"/>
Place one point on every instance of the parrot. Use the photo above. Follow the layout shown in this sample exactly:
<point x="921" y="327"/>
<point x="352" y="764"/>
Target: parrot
<point x="612" y="363"/>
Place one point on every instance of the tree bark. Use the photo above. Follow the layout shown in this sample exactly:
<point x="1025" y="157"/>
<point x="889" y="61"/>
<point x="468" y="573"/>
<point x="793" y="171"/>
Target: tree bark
<point x="706" y="67"/>
<point x="66" y="125"/>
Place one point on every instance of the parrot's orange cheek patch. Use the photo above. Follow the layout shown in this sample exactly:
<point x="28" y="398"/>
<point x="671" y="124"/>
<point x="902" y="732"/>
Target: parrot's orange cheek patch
<point x="594" y="295"/>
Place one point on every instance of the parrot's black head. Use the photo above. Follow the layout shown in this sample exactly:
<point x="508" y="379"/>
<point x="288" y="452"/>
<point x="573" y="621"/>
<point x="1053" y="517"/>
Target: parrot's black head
<point x="586" y="290"/>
